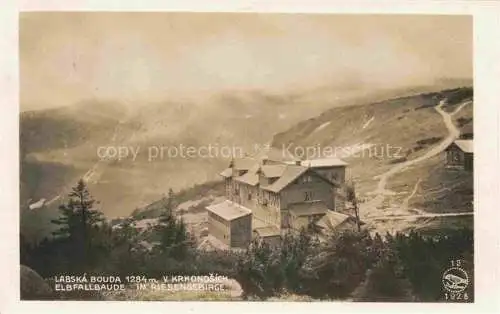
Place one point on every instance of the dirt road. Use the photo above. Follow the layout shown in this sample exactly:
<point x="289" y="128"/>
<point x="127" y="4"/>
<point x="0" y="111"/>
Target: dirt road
<point x="423" y="215"/>
<point x="371" y="210"/>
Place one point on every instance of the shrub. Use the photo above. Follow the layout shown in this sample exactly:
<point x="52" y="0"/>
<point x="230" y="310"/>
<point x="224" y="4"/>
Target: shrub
<point x="341" y="267"/>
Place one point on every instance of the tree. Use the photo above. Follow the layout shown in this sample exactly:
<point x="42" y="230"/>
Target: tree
<point x="340" y="266"/>
<point x="425" y="257"/>
<point x="78" y="223"/>
<point x="173" y="235"/>
<point x="352" y="198"/>
<point x="296" y="251"/>
<point x="170" y="199"/>
<point x="265" y="270"/>
<point x="25" y="249"/>
<point x="385" y="280"/>
<point x="126" y="254"/>
<point x="259" y="270"/>
<point x="126" y="235"/>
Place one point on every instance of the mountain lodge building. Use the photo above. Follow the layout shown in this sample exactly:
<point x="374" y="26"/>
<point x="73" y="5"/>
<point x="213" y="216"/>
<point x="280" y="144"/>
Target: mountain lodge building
<point x="268" y="197"/>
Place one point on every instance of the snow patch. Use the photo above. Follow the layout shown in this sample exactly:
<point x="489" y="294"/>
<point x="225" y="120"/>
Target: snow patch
<point x="146" y="223"/>
<point x="38" y="204"/>
<point x="53" y="200"/>
<point x="189" y="204"/>
<point x="321" y="127"/>
<point x="368" y="122"/>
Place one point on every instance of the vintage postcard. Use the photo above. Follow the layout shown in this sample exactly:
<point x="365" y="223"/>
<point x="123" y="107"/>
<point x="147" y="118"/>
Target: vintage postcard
<point x="225" y="156"/>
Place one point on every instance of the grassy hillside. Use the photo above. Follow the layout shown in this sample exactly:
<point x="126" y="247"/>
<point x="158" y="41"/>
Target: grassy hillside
<point x="70" y="136"/>
<point x="59" y="146"/>
<point x="411" y="123"/>
<point x="375" y="137"/>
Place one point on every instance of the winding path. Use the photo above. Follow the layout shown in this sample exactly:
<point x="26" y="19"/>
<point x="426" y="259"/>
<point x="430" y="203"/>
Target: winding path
<point x="370" y="207"/>
<point x="407" y="200"/>
<point x="423" y="215"/>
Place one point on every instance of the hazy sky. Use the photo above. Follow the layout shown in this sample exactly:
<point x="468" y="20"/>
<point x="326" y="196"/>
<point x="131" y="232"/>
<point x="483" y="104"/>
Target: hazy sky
<point x="68" y="57"/>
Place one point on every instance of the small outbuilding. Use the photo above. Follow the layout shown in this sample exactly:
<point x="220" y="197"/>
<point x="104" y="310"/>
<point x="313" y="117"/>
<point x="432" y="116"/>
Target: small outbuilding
<point x="460" y="154"/>
<point x="269" y="234"/>
<point x="335" y="221"/>
<point x="230" y="223"/>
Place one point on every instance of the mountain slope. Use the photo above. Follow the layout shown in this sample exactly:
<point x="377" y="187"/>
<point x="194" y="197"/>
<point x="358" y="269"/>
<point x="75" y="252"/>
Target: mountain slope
<point x="394" y="151"/>
<point x="59" y="146"/>
<point x="422" y="195"/>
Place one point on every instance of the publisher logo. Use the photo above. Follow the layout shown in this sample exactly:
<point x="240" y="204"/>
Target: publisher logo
<point x="455" y="280"/>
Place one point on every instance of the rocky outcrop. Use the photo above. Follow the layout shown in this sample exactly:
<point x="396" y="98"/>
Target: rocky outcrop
<point x="33" y="286"/>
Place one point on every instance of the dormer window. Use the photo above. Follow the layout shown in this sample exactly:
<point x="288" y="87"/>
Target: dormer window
<point x="308" y="196"/>
<point x="306" y="179"/>
<point x="241" y="172"/>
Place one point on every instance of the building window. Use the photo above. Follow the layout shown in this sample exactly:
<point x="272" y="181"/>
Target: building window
<point x="242" y="172"/>
<point x="308" y="196"/>
<point x="249" y="196"/>
<point x="274" y="200"/>
<point x="306" y="179"/>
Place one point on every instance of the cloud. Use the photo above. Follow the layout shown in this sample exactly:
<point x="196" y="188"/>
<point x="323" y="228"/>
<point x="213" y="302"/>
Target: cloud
<point x="67" y="57"/>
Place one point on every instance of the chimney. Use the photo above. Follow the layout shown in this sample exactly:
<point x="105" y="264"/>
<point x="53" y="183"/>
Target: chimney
<point x="233" y="170"/>
<point x="263" y="181"/>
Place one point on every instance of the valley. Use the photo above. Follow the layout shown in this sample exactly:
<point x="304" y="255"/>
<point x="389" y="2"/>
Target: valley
<point x="121" y="187"/>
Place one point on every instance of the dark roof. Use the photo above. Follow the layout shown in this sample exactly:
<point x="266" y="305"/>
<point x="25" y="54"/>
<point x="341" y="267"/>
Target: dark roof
<point x="333" y="220"/>
<point x="289" y="175"/>
<point x="308" y="208"/>
<point x="465" y="145"/>
<point x="324" y="162"/>
<point x="268" y="231"/>
<point x="273" y="171"/>
<point x="285" y="173"/>
<point x="229" y="210"/>
<point x="226" y="173"/>
<point x="250" y="178"/>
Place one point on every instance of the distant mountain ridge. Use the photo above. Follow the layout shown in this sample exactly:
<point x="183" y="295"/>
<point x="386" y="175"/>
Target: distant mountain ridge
<point x="375" y="137"/>
<point x="59" y="145"/>
<point x="427" y="196"/>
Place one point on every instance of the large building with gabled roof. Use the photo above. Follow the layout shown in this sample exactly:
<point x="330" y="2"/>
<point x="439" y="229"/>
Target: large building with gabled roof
<point x="279" y="195"/>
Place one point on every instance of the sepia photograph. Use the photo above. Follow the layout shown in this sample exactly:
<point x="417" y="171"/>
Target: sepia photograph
<point x="230" y="156"/>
